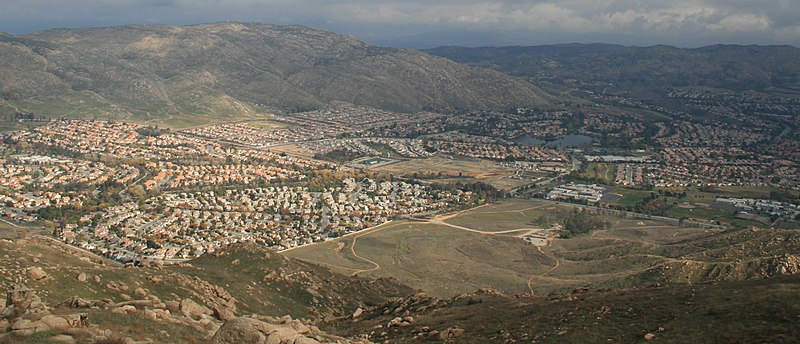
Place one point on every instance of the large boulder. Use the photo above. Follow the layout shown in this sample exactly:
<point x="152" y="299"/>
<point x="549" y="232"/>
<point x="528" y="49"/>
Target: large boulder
<point x="192" y="309"/>
<point x="240" y="331"/>
<point x="55" y="322"/>
<point x="25" y="327"/>
<point x="223" y="313"/>
<point x="37" y="273"/>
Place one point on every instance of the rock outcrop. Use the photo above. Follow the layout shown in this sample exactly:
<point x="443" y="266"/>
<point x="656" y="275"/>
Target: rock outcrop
<point x="786" y="264"/>
<point x="26" y="314"/>
<point x="265" y="330"/>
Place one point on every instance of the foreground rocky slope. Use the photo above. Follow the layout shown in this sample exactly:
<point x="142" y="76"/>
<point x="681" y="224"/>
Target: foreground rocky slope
<point x="234" y="69"/>
<point x="245" y="294"/>
<point x="184" y="303"/>
<point x="756" y="311"/>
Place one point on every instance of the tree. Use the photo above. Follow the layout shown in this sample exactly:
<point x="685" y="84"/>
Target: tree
<point x="137" y="191"/>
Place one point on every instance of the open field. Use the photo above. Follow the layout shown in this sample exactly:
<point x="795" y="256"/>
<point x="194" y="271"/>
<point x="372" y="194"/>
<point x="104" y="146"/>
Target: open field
<point x="435" y="258"/>
<point x="605" y="172"/>
<point x="631" y="196"/>
<point x="479" y="248"/>
<point x="470" y="171"/>
<point x="295" y="150"/>
<point x="267" y="124"/>
<point x="505" y="215"/>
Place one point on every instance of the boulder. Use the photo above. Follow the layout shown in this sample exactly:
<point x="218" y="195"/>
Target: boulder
<point x="274" y="338"/>
<point x="240" y="331"/>
<point x="150" y="314"/>
<point x="25" y="327"/>
<point x="223" y="313"/>
<point x="300" y="327"/>
<point x="192" y="309"/>
<point x="172" y="306"/>
<point x="305" y="340"/>
<point x="81" y="277"/>
<point x="140" y="292"/>
<point x="76" y="319"/>
<point x="37" y="273"/>
<point x="55" y="322"/>
<point x="451" y="333"/>
<point x="287" y="333"/>
<point x="125" y="309"/>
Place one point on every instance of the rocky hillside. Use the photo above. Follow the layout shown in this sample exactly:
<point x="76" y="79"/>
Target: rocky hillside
<point x="52" y="283"/>
<point x="704" y="313"/>
<point x="233" y="69"/>
<point x="246" y="294"/>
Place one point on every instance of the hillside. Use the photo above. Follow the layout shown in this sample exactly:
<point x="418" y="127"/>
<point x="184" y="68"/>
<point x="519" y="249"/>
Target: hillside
<point x="245" y="294"/>
<point x="188" y="300"/>
<point x="758" y="311"/>
<point x="639" y="70"/>
<point x="233" y="69"/>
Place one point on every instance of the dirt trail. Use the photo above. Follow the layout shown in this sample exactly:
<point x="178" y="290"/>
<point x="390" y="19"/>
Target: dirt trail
<point x="558" y="263"/>
<point x="523" y="231"/>
<point x="376" y="266"/>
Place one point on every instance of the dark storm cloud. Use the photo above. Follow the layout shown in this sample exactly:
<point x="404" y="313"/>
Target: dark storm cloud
<point x="739" y="21"/>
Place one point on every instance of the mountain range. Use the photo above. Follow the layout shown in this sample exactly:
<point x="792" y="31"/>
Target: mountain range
<point x="638" y="70"/>
<point x="230" y="69"/>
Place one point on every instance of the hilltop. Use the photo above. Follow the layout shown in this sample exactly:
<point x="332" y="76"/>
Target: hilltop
<point x="233" y="69"/>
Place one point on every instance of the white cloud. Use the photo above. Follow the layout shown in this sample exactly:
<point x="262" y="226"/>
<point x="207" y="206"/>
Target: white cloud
<point x="742" y="22"/>
<point x="772" y="20"/>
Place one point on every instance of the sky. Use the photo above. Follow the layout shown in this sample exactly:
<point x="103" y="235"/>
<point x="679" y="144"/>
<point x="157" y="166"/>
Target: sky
<point x="426" y="23"/>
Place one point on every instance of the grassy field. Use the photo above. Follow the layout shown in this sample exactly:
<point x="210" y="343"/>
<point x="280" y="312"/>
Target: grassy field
<point x="631" y="196"/>
<point x="267" y="124"/>
<point x="441" y="259"/>
<point x="600" y="171"/>
<point x="437" y="259"/>
<point x="505" y="215"/>
<point x="695" y="204"/>
<point x="294" y="150"/>
<point x="469" y="170"/>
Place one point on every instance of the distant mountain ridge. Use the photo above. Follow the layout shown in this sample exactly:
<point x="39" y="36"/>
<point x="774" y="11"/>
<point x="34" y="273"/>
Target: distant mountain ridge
<point x="641" y="69"/>
<point x="231" y="68"/>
